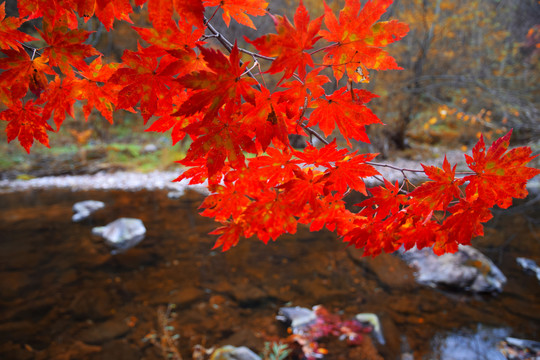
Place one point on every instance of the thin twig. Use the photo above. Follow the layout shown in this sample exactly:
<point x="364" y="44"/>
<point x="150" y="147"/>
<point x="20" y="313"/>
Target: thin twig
<point x="228" y="45"/>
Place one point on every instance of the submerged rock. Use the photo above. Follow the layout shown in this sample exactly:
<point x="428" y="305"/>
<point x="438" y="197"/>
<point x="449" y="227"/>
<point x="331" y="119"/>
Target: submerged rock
<point x="519" y="349"/>
<point x="83" y="209"/>
<point x="529" y="266"/>
<point x="298" y="317"/>
<point x="122" y="234"/>
<point x="373" y="321"/>
<point x="467" y="269"/>
<point x="229" y="352"/>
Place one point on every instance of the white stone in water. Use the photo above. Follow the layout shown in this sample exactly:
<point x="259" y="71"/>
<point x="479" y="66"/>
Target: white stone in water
<point x="529" y="265"/>
<point x="83" y="209"/>
<point x="122" y="234"/>
<point x="467" y="269"/>
<point x="229" y="352"/>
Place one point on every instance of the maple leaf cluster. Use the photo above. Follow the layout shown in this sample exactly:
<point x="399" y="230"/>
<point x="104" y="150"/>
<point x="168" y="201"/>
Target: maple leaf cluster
<point x="260" y="185"/>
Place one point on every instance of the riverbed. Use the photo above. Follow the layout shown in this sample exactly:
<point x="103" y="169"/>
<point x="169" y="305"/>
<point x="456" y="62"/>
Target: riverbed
<point x="64" y="296"/>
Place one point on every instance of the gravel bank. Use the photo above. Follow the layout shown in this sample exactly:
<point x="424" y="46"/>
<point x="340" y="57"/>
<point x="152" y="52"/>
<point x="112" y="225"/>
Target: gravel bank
<point x="160" y="180"/>
<point x="132" y="181"/>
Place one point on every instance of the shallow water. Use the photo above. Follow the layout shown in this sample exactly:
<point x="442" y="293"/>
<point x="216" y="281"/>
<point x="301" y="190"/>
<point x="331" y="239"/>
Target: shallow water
<point x="62" y="295"/>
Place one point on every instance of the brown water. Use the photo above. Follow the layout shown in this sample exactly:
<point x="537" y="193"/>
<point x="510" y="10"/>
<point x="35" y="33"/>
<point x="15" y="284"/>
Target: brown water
<point x="63" y="296"/>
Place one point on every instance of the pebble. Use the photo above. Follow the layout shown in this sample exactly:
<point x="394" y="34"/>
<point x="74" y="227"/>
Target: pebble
<point x="121" y="180"/>
<point x="162" y="180"/>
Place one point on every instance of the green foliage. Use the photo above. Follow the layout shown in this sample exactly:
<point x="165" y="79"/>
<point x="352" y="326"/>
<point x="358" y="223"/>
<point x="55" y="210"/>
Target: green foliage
<point x="275" y="351"/>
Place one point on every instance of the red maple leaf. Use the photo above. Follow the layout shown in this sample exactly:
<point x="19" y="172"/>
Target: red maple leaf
<point x="358" y="39"/>
<point x="277" y="167"/>
<point x="304" y="189"/>
<point x="437" y="194"/>
<point x="335" y="214"/>
<point x="101" y="97"/>
<point x="500" y="175"/>
<point x="66" y="49"/>
<point x="230" y="234"/>
<point x="265" y="118"/>
<point x="222" y="83"/>
<point x="347" y="110"/>
<point x="269" y="216"/>
<point x="466" y="221"/>
<point x="107" y="11"/>
<point x="239" y="10"/>
<point x="349" y="172"/>
<point x="219" y="139"/>
<point x="60" y="98"/>
<point x="26" y="123"/>
<point x="225" y="204"/>
<point x="192" y="11"/>
<point x="177" y="123"/>
<point x="384" y="201"/>
<point x="290" y="43"/>
<point x="147" y="78"/>
<point x="171" y="36"/>
<point x="311" y="88"/>
<point x="10" y="37"/>
<point x="53" y="12"/>
<point x="22" y="72"/>
<point x="325" y="156"/>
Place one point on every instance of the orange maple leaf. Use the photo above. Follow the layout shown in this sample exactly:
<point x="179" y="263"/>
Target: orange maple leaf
<point x="10" y="37"/>
<point x="60" y="98"/>
<point x="222" y="83"/>
<point x="347" y="110"/>
<point x="66" y="48"/>
<point x="290" y="43"/>
<point x="437" y="194"/>
<point x="500" y="175"/>
<point x="26" y="123"/>
<point x="239" y="10"/>
<point x="147" y="78"/>
<point x="357" y="39"/>
<point x="23" y="73"/>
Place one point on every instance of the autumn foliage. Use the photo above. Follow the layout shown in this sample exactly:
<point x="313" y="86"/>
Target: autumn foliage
<point x="189" y="78"/>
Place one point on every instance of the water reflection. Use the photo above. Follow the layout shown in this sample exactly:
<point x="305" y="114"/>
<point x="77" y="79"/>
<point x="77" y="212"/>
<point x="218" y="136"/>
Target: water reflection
<point x="60" y="288"/>
<point x="466" y="344"/>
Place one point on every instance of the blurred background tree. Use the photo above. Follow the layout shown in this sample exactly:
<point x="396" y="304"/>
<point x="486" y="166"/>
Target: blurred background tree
<point x="470" y="66"/>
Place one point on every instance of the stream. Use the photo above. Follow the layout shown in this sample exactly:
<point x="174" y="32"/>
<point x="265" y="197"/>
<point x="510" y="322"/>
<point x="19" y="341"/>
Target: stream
<point x="64" y="296"/>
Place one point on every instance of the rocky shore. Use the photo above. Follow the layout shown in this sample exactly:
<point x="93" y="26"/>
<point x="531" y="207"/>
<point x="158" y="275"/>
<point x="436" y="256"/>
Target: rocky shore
<point x="163" y="180"/>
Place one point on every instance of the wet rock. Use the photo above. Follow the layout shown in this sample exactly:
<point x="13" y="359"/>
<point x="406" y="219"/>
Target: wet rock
<point x="122" y="234"/>
<point x="12" y="283"/>
<point x="366" y="350"/>
<point x="519" y="349"/>
<point x="83" y="209"/>
<point x="149" y="148"/>
<point x="36" y="307"/>
<point x="297" y="316"/>
<point x="95" y="304"/>
<point x="467" y="269"/>
<point x="19" y="330"/>
<point x="182" y="297"/>
<point x="529" y="265"/>
<point x="10" y="350"/>
<point x="103" y="332"/>
<point x="136" y="257"/>
<point x="61" y="351"/>
<point x="372" y="320"/>
<point x="246" y="294"/>
<point x="118" y="350"/>
<point x="229" y="352"/>
<point x="390" y="270"/>
<point x="244" y="337"/>
<point x="175" y="194"/>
